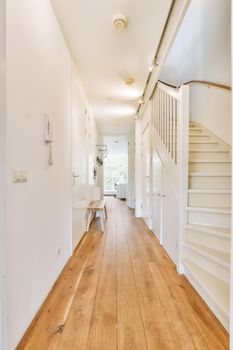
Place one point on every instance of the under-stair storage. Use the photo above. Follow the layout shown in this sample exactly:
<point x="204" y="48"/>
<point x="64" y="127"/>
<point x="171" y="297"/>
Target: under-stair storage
<point x="206" y="246"/>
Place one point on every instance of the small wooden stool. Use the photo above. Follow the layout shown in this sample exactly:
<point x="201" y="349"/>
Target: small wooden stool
<point x="97" y="207"/>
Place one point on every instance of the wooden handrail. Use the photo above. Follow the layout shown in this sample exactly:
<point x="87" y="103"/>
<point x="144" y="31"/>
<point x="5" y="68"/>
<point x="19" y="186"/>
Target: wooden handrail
<point x="203" y="82"/>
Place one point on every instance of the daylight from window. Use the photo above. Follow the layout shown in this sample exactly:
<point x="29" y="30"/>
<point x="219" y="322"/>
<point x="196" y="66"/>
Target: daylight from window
<point x="115" y="171"/>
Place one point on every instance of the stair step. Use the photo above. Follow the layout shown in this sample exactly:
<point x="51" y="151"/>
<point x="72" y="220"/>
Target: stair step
<point x="204" y="142"/>
<point x="221" y="258"/>
<point x="220" y="217"/>
<point x="195" y="131"/>
<point x="209" y="190"/>
<point x="199" y="180"/>
<point x="216" y="155"/>
<point x="211" y="210"/>
<point x="214" y="261"/>
<point x="199" y="135"/>
<point x="213" y="230"/>
<point x="209" y="161"/>
<point x="216" y="238"/>
<point x="209" y="198"/>
<point x="205" y="165"/>
<point x="209" y="174"/>
<point x="214" y="291"/>
<point x="208" y="151"/>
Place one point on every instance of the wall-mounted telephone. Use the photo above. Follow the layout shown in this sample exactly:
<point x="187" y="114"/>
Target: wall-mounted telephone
<point x="48" y="128"/>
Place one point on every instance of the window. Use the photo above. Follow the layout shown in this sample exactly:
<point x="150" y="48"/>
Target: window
<point x="115" y="171"/>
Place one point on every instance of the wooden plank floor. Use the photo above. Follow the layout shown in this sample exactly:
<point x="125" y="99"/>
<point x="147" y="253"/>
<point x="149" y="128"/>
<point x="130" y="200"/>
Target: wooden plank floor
<point x="121" y="291"/>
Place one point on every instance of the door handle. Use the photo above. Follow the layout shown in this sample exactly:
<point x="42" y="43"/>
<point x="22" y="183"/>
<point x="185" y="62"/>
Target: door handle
<point x="163" y="196"/>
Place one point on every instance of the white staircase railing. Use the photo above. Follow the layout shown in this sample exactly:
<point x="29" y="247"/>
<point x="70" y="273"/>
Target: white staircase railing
<point x="170" y="126"/>
<point x="164" y="117"/>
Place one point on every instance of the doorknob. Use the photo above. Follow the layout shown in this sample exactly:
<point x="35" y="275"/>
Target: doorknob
<point x="163" y="196"/>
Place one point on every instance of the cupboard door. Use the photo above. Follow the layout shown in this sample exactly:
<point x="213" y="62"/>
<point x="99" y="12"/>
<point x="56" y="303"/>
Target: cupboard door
<point x="170" y="217"/>
<point x="156" y="195"/>
<point x="146" y="179"/>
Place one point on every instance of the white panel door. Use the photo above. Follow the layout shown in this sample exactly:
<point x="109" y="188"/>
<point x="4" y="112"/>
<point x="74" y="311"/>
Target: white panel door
<point x="156" y="195"/>
<point x="170" y="217"/>
<point x="146" y="179"/>
<point x="79" y="160"/>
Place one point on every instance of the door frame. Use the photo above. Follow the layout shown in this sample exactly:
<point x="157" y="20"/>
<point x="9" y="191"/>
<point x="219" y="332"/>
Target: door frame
<point x="148" y="220"/>
<point x="3" y="245"/>
<point x="154" y="150"/>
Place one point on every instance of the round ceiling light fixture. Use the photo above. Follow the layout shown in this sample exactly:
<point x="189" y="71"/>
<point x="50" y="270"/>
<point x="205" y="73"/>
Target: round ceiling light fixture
<point x="129" y="81"/>
<point x="119" y="23"/>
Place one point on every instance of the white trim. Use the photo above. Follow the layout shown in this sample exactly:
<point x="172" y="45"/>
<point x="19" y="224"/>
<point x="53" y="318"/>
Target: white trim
<point x="138" y="168"/>
<point x="183" y="161"/>
<point x="3" y="282"/>
<point x="169" y="90"/>
<point x="231" y="281"/>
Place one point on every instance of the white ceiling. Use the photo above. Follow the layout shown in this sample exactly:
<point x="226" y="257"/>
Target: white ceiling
<point x="105" y="58"/>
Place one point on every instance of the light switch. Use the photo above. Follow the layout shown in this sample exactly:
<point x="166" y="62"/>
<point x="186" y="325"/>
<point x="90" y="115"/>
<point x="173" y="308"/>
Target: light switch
<point x="24" y="176"/>
<point x="16" y="176"/>
<point x="19" y="176"/>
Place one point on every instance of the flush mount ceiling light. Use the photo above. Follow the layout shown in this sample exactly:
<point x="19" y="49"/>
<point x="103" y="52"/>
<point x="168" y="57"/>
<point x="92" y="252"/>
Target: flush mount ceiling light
<point x="129" y="81"/>
<point x="119" y="23"/>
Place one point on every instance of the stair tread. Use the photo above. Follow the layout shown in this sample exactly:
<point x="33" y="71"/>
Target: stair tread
<point x="209" y="161"/>
<point x="211" y="190"/>
<point x="210" y="174"/>
<point x="216" y="255"/>
<point x="219" y="210"/>
<point x="204" y="142"/>
<point x="215" y="287"/>
<point x="224" y="232"/>
<point x="199" y="135"/>
<point x="209" y="151"/>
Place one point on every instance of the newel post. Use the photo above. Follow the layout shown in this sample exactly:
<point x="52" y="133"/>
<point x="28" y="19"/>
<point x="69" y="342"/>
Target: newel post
<point x="183" y="167"/>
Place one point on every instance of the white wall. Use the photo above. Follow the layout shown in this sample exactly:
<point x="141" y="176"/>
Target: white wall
<point x="3" y="314"/>
<point x="231" y="289"/>
<point x="39" y="212"/>
<point x="211" y="107"/>
<point x="201" y="51"/>
<point x="138" y="168"/>
<point x="130" y="200"/>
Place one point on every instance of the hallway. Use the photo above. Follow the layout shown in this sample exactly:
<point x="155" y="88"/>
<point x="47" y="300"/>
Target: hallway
<point x="120" y="290"/>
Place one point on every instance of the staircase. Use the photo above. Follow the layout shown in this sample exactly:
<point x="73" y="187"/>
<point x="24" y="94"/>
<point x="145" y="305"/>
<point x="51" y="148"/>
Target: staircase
<point x="206" y="248"/>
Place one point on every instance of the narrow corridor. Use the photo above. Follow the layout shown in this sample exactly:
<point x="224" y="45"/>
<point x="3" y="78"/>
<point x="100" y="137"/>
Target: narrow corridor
<point x="120" y="290"/>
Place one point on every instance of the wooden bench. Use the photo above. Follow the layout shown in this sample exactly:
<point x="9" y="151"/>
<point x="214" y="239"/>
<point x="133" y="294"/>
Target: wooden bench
<point x="97" y="207"/>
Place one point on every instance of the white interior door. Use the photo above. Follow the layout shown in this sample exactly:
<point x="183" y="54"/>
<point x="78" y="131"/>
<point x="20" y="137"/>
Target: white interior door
<point x="146" y="178"/>
<point x="79" y="161"/>
<point x="169" y="218"/>
<point x="156" y="195"/>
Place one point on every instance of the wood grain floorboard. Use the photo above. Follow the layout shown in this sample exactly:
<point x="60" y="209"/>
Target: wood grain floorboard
<point x="103" y="330"/>
<point x="77" y="325"/>
<point x="131" y="333"/>
<point x="121" y="291"/>
<point x="158" y="330"/>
